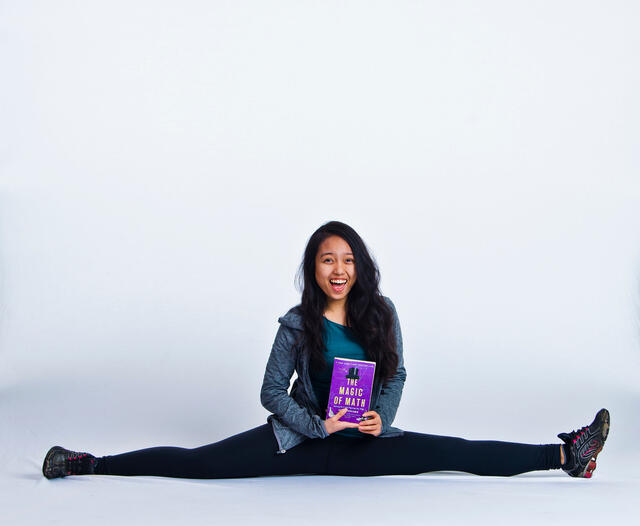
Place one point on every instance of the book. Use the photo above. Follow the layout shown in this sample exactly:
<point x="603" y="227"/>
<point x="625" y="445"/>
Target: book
<point x="351" y="386"/>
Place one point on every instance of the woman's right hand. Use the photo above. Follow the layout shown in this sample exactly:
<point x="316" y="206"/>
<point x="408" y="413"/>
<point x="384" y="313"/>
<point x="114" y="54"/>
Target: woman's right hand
<point x="334" y="424"/>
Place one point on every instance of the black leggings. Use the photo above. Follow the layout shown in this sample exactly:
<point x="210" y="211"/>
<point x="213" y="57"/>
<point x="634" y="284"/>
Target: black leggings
<point x="253" y="454"/>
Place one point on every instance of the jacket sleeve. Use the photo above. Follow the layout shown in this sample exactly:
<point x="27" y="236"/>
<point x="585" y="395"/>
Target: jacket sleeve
<point x="274" y="394"/>
<point x="391" y="391"/>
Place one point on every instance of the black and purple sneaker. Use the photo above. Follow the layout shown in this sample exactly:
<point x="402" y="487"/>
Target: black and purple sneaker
<point x="581" y="447"/>
<point x="60" y="462"/>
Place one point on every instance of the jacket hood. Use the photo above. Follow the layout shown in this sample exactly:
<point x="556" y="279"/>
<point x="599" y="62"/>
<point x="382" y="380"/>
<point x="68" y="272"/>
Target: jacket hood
<point x="292" y="319"/>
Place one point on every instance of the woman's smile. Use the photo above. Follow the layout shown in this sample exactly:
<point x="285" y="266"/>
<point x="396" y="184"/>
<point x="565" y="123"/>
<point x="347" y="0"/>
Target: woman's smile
<point x="338" y="285"/>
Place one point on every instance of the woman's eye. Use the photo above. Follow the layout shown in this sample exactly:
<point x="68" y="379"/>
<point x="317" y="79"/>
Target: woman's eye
<point x="329" y="260"/>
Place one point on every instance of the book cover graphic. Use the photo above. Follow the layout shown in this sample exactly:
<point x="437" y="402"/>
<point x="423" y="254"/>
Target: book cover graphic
<point x="351" y="385"/>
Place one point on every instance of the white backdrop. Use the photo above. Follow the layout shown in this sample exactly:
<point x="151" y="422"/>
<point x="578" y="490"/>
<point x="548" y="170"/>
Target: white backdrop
<point x="163" y="165"/>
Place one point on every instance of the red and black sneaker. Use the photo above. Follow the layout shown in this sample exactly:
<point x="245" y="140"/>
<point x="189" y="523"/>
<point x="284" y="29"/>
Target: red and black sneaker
<point x="582" y="446"/>
<point x="60" y="462"/>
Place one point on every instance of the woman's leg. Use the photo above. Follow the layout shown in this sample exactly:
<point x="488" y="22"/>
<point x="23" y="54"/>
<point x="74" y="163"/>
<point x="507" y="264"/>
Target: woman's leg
<point x="415" y="453"/>
<point x="248" y="454"/>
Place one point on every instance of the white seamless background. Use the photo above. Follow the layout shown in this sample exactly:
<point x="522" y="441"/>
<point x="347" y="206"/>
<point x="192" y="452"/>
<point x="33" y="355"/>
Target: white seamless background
<point x="163" y="165"/>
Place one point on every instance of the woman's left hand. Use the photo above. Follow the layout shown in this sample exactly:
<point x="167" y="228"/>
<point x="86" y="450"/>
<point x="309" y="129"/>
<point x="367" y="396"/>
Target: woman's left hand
<point x="371" y="426"/>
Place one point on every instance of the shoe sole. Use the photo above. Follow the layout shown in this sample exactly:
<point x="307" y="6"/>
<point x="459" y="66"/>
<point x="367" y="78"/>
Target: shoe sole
<point x="591" y="465"/>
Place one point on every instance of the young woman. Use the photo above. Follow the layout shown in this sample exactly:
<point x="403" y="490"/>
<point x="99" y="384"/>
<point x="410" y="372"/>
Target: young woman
<point x="342" y="314"/>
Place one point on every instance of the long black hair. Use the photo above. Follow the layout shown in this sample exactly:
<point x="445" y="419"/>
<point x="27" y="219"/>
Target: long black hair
<point x="368" y="314"/>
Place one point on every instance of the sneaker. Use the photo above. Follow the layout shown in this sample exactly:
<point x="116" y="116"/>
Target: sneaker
<point x="60" y="462"/>
<point x="582" y="446"/>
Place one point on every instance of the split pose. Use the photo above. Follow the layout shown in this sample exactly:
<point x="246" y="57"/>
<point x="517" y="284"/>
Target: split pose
<point x="342" y="314"/>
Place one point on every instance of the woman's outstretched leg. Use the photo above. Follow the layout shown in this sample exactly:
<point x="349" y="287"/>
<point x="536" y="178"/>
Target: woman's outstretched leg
<point x="248" y="454"/>
<point x="416" y="453"/>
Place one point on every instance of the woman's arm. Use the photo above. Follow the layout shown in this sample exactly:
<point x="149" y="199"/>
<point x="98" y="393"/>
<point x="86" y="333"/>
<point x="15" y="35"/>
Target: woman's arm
<point x="274" y="394"/>
<point x="391" y="392"/>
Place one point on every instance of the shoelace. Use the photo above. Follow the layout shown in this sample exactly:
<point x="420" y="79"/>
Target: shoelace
<point x="578" y="434"/>
<point x="79" y="463"/>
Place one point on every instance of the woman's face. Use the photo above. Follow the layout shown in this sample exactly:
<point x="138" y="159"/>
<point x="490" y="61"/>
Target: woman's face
<point x="335" y="268"/>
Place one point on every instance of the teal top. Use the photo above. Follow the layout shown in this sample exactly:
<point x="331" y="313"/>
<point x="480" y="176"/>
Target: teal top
<point x="339" y="342"/>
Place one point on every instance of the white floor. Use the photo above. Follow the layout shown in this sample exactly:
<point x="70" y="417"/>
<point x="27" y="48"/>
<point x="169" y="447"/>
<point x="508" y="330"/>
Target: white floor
<point x="439" y="498"/>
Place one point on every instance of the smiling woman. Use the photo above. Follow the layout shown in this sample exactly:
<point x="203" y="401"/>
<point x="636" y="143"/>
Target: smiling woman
<point x="342" y="314"/>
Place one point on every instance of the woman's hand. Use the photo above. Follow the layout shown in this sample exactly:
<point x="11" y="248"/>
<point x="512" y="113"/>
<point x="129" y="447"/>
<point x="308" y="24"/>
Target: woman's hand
<point x="372" y="426"/>
<point x="334" y="424"/>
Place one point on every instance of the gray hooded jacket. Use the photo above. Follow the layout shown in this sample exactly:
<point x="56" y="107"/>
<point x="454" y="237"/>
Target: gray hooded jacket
<point x="295" y="415"/>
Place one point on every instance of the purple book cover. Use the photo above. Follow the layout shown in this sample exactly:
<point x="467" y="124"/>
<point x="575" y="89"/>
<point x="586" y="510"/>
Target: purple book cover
<point x="351" y="385"/>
